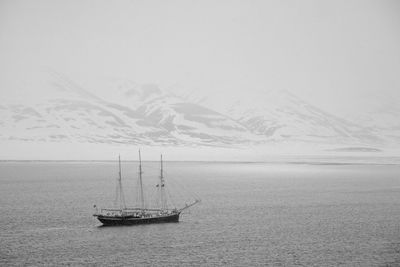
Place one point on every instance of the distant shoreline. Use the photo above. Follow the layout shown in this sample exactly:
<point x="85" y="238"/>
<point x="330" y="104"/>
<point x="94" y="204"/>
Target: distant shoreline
<point x="279" y="160"/>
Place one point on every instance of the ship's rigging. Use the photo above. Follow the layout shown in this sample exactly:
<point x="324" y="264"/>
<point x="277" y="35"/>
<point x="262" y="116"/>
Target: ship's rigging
<point x="142" y="213"/>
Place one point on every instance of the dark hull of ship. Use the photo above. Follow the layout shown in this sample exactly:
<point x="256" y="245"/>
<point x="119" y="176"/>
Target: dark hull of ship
<point x="130" y="220"/>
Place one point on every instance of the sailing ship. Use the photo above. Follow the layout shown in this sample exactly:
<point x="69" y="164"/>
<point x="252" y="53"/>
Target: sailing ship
<point x="141" y="214"/>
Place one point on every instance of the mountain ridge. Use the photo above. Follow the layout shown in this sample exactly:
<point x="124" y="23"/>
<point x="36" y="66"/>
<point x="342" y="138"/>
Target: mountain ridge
<point x="145" y="114"/>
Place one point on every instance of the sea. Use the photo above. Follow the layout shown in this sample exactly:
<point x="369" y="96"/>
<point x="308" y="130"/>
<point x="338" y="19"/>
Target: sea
<point x="280" y="213"/>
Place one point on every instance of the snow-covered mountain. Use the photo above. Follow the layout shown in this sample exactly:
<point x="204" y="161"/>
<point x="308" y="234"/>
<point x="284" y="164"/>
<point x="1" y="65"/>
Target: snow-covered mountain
<point x="138" y="114"/>
<point x="61" y="111"/>
<point x="382" y="118"/>
<point x="279" y="115"/>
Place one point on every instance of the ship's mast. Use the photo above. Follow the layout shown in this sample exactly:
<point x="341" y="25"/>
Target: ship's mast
<point x="163" y="200"/>
<point x="120" y="193"/>
<point x="141" y="183"/>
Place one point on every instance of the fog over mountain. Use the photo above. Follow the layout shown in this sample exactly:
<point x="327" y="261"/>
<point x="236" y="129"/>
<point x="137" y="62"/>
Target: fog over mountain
<point x="64" y="116"/>
<point x="211" y="80"/>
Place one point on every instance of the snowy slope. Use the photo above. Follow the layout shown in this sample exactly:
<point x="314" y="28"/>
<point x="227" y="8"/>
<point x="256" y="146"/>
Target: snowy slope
<point x="138" y="114"/>
<point x="124" y="112"/>
<point x="280" y="115"/>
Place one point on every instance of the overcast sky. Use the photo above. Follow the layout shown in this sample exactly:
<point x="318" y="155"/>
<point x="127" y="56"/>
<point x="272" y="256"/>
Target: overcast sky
<point x="334" y="53"/>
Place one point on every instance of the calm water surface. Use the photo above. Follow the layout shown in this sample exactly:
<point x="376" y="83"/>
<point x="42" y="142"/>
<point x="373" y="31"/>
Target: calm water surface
<point x="251" y="214"/>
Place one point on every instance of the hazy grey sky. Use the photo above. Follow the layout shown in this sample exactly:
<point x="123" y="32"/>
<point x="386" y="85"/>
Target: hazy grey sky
<point x="330" y="52"/>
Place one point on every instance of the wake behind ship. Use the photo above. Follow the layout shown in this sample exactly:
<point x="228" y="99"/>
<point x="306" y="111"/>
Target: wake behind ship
<point x="140" y="215"/>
